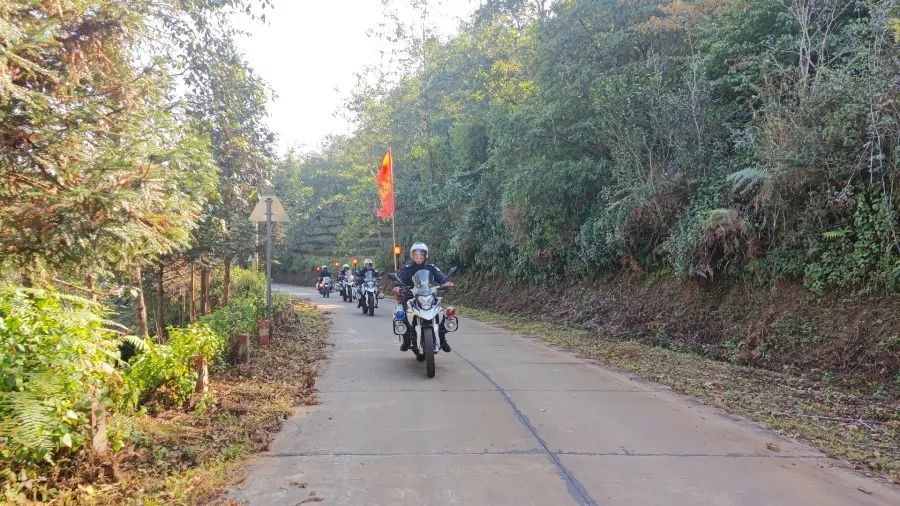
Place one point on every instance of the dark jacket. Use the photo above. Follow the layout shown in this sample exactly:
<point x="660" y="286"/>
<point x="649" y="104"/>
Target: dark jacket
<point x="345" y="273"/>
<point x="323" y="274"/>
<point x="407" y="272"/>
<point x="362" y="273"/>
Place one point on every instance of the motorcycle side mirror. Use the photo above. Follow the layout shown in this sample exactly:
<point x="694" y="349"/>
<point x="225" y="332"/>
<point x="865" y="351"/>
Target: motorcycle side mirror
<point x="453" y="270"/>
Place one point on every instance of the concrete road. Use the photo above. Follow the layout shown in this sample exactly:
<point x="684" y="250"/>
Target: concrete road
<point x="510" y="420"/>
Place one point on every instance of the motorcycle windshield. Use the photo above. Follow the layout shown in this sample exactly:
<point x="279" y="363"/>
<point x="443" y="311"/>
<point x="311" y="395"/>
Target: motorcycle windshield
<point x="423" y="283"/>
<point x="370" y="276"/>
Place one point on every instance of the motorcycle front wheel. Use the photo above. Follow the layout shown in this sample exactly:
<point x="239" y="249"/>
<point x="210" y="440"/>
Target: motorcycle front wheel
<point x="370" y="302"/>
<point x="428" y="350"/>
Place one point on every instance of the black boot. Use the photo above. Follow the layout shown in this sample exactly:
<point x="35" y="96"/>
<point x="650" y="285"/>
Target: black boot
<point x="444" y="346"/>
<point x="407" y="342"/>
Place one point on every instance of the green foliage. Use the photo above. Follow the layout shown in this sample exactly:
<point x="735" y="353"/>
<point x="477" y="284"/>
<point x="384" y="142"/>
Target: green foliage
<point x="856" y="255"/>
<point x="94" y="140"/>
<point x="239" y="315"/>
<point x="167" y="373"/>
<point x="720" y="139"/>
<point x="661" y="339"/>
<point x="246" y="283"/>
<point x="246" y="306"/>
<point x="56" y="358"/>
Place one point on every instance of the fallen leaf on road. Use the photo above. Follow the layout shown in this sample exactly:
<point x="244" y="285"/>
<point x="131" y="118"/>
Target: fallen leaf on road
<point x="773" y="447"/>
<point x="864" y="491"/>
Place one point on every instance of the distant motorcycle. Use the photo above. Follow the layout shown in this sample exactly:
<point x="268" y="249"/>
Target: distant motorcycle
<point x="369" y="293"/>
<point x="426" y="315"/>
<point x="325" y="287"/>
<point x="345" y="288"/>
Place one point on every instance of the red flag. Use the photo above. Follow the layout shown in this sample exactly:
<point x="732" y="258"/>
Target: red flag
<point x="385" y="181"/>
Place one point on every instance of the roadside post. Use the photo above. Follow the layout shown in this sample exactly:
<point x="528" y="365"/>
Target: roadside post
<point x="270" y="211"/>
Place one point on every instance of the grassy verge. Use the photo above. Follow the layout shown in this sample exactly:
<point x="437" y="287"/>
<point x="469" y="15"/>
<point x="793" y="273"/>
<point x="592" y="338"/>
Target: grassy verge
<point x="860" y="428"/>
<point x="190" y="457"/>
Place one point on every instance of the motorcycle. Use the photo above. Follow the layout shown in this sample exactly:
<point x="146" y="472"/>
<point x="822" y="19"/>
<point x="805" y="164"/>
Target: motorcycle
<point x="345" y="287"/>
<point x="325" y="287"/>
<point x="369" y="291"/>
<point x="427" y="315"/>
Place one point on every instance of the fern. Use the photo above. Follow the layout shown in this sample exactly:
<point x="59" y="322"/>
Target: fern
<point x="753" y="180"/>
<point x="63" y="359"/>
<point x="29" y="421"/>
<point x="833" y="235"/>
<point x="139" y="344"/>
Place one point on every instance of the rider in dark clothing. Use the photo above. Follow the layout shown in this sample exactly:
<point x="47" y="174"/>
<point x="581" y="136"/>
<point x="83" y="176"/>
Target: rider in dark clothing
<point x="367" y="267"/>
<point x="323" y="273"/>
<point x="419" y="254"/>
<point x="361" y="275"/>
<point x="408" y="271"/>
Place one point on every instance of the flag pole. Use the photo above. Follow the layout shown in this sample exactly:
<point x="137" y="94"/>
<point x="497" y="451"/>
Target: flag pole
<point x="393" y="213"/>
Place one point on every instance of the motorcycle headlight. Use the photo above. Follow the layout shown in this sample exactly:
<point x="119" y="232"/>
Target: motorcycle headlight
<point x="451" y="324"/>
<point x="425" y="302"/>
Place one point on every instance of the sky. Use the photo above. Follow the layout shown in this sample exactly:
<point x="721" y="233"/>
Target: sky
<point x="308" y="51"/>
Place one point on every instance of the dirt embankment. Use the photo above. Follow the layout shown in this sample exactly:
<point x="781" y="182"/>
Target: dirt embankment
<point x="299" y="278"/>
<point x="783" y="328"/>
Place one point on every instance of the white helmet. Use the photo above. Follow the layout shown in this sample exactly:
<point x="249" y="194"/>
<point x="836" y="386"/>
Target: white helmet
<point x="324" y="267"/>
<point x="346" y="266"/>
<point x="368" y="261"/>
<point x="418" y="246"/>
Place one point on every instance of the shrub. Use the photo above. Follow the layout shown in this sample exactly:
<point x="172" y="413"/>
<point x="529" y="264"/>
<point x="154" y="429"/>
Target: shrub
<point x="166" y="373"/>
<point x="239" y="315"/>
<point x="56" y="358"/>
<point x="248" y="283"/>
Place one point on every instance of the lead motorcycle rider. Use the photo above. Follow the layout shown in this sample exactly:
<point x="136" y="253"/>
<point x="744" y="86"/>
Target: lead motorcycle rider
<point x="418" y="252"/>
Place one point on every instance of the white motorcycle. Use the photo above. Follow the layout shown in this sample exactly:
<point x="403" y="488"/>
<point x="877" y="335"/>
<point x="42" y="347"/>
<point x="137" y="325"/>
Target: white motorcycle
<point x="345" y="287"/>
<point x="427" y="314"/>
<point x="368" y="292"/>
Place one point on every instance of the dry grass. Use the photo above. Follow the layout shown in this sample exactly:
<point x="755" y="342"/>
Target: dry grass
<point x="860" y="428"/>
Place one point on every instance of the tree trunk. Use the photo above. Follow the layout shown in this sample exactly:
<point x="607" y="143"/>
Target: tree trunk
<point x="239" y="348"/>
<point x="202" y="385"/>
<point x="99" y="442"/>
<point x="204" y="289"/>
<point x="226" y="283"/>
<point x="192" y="313"/>
<point x="140" y="310"/>
<point x="90" y="286"/>
<point x="160" y="307"/>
